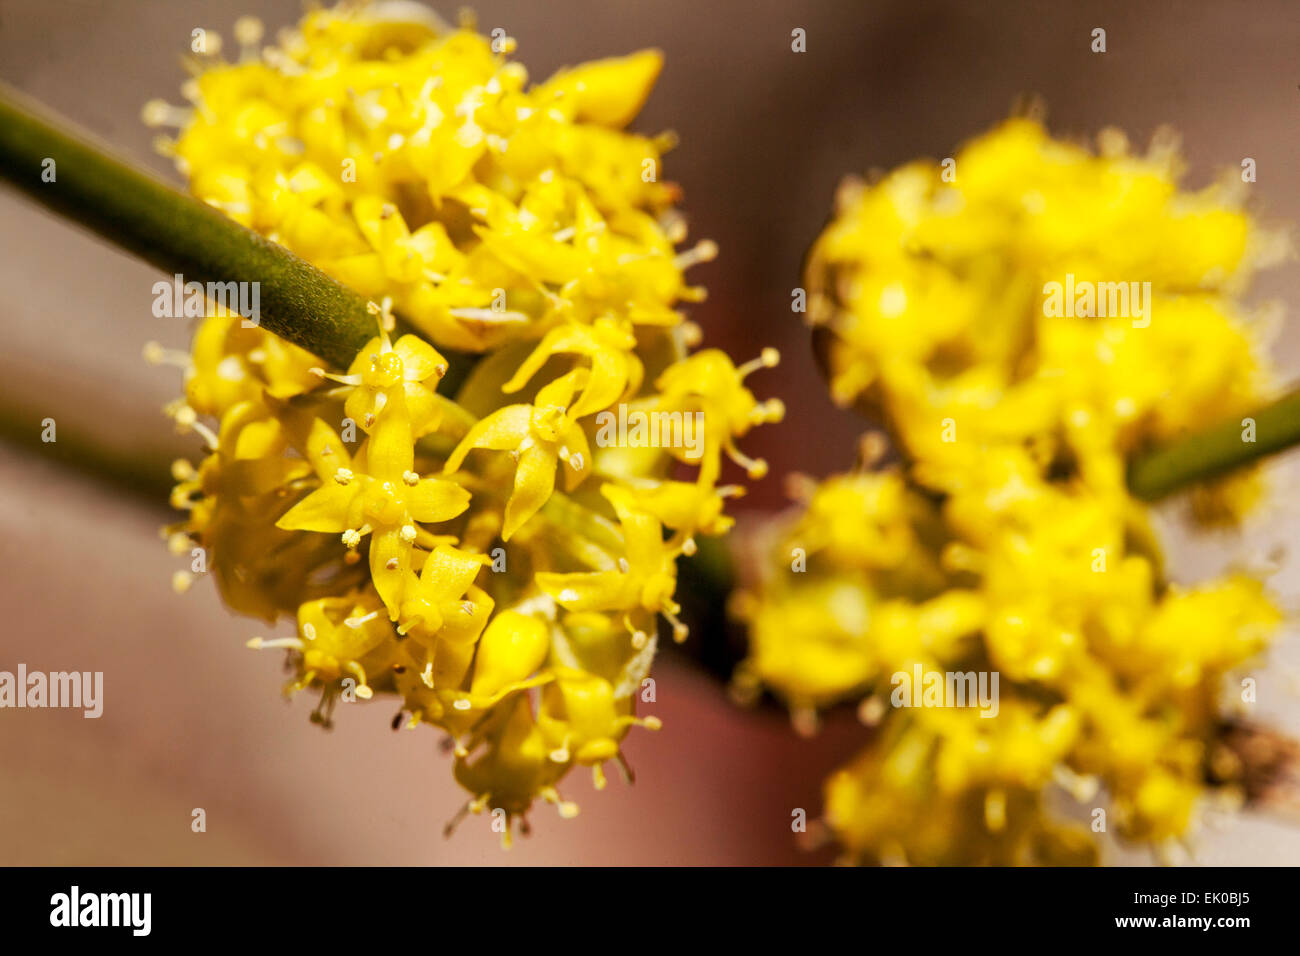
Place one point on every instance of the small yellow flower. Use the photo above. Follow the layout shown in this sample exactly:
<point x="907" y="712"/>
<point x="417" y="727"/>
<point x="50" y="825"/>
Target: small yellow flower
<point x="615" y="370"/>
<point x="377" y="492"/>
<point x="514" y="768"/>
<point x="708" y="381"/>
<point x="410" y="364"/>
<point x="583" y="722"/>
<point x="539" y="437"/>
<point x="646" y="576"/>
<point x="438" y="596"/>
<point x="343" y="638"/>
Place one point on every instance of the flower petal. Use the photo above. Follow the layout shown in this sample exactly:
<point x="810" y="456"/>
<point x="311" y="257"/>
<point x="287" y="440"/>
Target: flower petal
<point x="324" y="510"/>
<point x="390" y="562"/>
<point x="505" y="428"/>
<point x="435" y="499"/>
<point x="585" y="590"/>
<point x="534" y="482"/>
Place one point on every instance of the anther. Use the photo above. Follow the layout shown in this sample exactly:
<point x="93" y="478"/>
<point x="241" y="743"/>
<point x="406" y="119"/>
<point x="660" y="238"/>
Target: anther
<point x="768" y="358"/>
<point x="162" y="113"/>
<point x="706" y="250"/>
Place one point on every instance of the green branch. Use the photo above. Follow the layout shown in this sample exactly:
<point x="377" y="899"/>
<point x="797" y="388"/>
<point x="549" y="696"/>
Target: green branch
<point x="176" y="232"/>
<point x="1217" y="450"/>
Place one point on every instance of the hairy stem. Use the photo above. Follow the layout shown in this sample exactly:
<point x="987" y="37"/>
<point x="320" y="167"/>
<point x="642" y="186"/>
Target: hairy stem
<point x="177" y="233"/>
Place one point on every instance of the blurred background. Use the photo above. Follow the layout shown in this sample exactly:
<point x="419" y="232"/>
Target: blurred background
<point x="192" y="719"/>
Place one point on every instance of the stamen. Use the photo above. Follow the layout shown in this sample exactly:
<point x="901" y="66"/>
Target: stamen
<point x="567" y="808"/>
<point x="363" y="689"/>
<point x="155" y="354"/>
<point x="488" y="315"/>
<point x="755" y="468"/>
<point x="639" y="637"/>
<point x="261" y="644"/>
<point x="680" y="630"/>
<point x="352" y="380"/>
<point x="706" y="250"/>
<point x="248" y="34"/>
<point x="356" y="622"/>
<point x="386" y="321"/>
<point x="187" y="420"/>
<point x="768" y="358"/>
<point x="162" y="113"/>
<point x="771" y="411"/>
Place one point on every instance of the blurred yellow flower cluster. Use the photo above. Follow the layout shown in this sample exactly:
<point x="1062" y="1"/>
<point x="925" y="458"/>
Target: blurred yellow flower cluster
<point x="1003" y="540"/>
<point x="413" y="528"/>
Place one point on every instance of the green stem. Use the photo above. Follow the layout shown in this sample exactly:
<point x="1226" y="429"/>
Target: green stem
<point x="1217" y="450"/>
<point x="176" y="232"/>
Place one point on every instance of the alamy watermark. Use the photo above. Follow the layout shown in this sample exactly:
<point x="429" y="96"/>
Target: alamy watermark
<point x="636" y="428"/>
<point x="1101" y="299"/>
<point x="926" y="688"/>
<point x="179" y="299"/>
<point x="131" y="910"/>
<point x="82" y="690"/>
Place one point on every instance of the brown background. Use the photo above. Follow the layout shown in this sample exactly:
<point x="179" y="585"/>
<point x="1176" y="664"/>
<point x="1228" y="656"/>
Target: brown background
<point x="194" y="720"/>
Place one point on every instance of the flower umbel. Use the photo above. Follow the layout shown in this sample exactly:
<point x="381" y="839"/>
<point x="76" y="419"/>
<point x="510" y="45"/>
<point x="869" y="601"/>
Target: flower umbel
<point x="1005" y="540"/>
<point x="512" y="228"/>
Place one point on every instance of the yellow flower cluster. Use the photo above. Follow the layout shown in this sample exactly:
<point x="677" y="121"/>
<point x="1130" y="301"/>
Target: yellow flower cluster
<point x="413" y="528"/>
<point x="1004" y="540"/>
